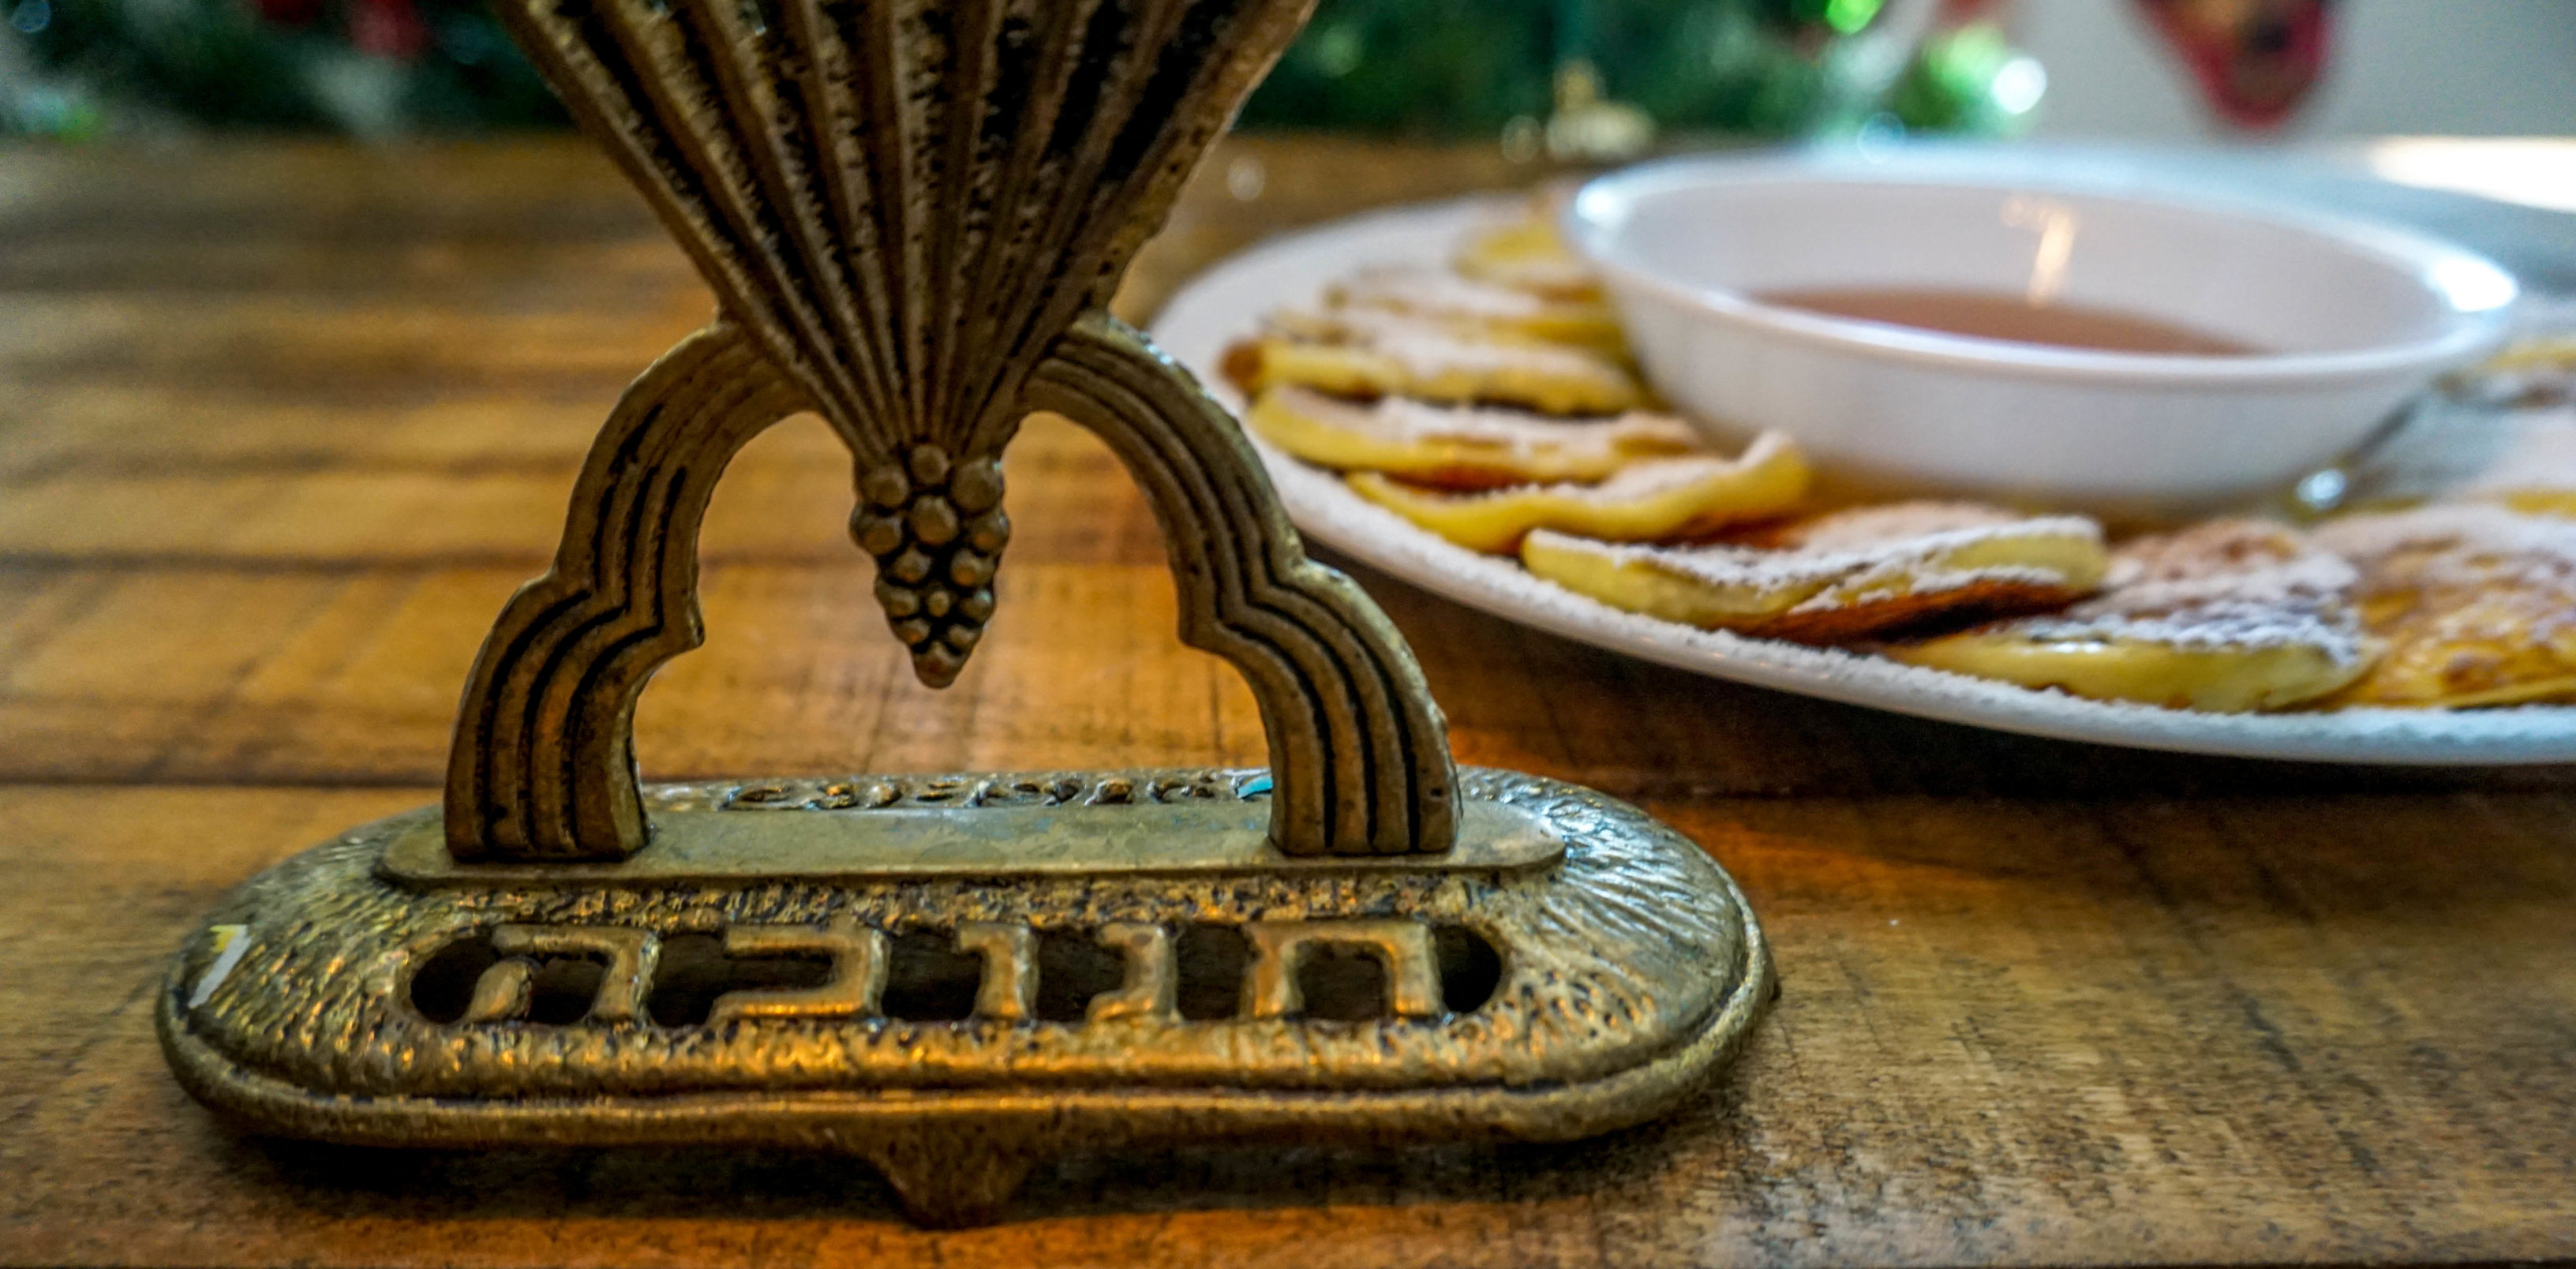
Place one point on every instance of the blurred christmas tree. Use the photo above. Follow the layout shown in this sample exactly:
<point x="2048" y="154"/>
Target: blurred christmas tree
<point x="367" y="67"/>
<point x="1738" y="68"/>
<point x="1604" y="73"/>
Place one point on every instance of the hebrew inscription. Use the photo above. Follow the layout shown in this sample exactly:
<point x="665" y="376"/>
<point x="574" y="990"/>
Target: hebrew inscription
<point x="616" y="966"/>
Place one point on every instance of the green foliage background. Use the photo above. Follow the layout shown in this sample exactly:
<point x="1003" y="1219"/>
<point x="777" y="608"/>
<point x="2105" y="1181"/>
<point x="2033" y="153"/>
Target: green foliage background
<point x="1467" y="67"/>
<point x="1421" y="68"/>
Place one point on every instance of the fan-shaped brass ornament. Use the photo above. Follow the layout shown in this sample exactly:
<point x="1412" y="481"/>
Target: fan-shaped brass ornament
<point x="913" y="213"/>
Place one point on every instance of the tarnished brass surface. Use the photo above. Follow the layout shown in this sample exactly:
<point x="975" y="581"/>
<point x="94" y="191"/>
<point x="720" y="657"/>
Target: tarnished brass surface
<point x="1078" y="1011"/>
<point x="1027" y="824"/>
<point x="912" y="213"/>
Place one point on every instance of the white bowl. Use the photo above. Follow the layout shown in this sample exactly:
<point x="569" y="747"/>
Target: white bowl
<point x="2353" y="320"/>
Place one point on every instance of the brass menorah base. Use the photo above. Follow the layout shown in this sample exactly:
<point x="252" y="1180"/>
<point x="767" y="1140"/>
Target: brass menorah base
<point x="957" y="977"/>
<point x="912" y="213"/>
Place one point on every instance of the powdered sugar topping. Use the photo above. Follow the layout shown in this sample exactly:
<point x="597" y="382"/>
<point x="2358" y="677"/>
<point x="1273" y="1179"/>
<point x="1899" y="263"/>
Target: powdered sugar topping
<point x="2465" y="545"/>
<point x="1866" y="551"/>
<point x="2237" y="584"/>
<point x="1426" y="348"/>
<point x="1645" y="478"/>
<point x="1898" y="521"/>
<point x="1415" y="289"/>
<point x="1402" y="420"/>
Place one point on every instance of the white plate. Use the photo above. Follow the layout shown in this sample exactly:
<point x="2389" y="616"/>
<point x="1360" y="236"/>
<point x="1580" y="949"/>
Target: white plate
<point x="1227" y="302"/>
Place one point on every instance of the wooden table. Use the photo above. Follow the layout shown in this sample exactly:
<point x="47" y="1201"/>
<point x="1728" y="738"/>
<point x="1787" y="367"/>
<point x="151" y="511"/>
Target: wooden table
<point x="281" y="425"/>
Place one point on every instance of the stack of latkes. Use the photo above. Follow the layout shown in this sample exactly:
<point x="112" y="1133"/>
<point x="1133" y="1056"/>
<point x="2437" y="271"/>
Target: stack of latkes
<point x="1494" y="403"/>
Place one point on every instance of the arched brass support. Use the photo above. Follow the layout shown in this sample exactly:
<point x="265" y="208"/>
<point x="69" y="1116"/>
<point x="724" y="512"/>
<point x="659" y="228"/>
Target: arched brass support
<point x="1359" y="754"/>
<point x="543" y="764"/>
<point x="910" y="212"/>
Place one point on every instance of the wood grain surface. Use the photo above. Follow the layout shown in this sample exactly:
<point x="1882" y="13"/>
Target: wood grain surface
<point x="282" y="425"/>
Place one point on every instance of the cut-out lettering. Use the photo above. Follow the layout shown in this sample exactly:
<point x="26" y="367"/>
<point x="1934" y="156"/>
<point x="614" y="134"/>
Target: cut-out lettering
<point x="1280" y="950"/>
<point x="1151" y="990"/>
<point x="1009" y="991"/>
<point x="565" y="974"/>
<point x="856" y="985"/>
<point x="627" y="958"/>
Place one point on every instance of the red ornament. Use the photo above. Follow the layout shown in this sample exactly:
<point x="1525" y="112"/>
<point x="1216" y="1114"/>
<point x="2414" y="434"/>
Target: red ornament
<point x="387" y="28"/>
<point x="2256" y="60"/>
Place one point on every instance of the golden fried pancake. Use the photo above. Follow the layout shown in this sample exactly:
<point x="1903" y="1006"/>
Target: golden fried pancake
<point x="1839" y="577"/>
<point x="2227" y="616"/>
<point x="1460" y="447"/>
<point x="1528" y="255"/>
<point x="1368" y="354"/>
<point x="2476" y="604"/>
<point x="2544" y="353"/>
<point x="1645" y="500"/>
<point x="1436" y="295"/>
<point x="2556" y="504"/>
<point x="2529" y="373"/>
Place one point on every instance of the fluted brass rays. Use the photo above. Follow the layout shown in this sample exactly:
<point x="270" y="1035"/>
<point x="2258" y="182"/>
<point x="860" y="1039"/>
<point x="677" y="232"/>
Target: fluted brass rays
<point x="912" y="213"/>
<point x="902" y="204"/>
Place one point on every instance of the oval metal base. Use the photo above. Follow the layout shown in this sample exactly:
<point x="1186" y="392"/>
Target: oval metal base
<point x="953" y="1028"/>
